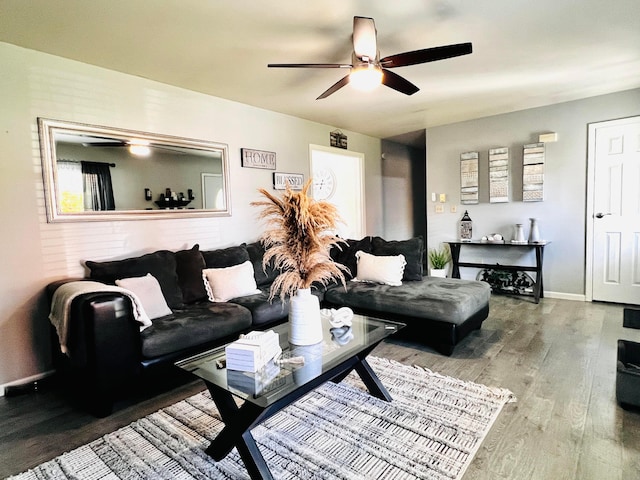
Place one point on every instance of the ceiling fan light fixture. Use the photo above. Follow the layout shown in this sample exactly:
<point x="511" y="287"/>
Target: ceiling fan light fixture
<point x="365" y="77"/>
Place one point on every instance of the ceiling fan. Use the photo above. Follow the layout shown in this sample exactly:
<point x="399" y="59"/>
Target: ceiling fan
<point x="369" y="70"/>
<point x="135" y="146"/>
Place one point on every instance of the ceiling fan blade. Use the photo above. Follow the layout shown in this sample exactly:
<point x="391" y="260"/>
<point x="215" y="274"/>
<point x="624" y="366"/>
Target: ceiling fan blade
<point x="395" y="81"/>
<point x="364" y="38"/>
<point x="309" y="65"/>
<point x="104" y="144"/>
<point x="334" y="88"/>
<point x="426" y="55"/>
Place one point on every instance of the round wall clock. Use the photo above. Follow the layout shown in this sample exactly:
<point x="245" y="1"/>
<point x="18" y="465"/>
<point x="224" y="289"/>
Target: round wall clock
<point x="324" y="184"/>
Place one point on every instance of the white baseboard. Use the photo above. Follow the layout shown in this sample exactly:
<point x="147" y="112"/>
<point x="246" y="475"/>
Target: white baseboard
<point x="566" y="296"/>
<point x="26" y="380"/>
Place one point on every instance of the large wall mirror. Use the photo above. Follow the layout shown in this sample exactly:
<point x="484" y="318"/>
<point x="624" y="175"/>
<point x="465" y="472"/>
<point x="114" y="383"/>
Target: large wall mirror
<point x="101" y="173"/>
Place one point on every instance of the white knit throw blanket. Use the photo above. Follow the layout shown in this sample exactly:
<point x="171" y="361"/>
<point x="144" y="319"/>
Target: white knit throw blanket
<point x="64" y="295"/>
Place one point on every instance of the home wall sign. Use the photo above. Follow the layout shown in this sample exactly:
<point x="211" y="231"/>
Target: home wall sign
<point x="533" y="172"/>
<point x="499" y="175"/>
<point x="281" y="179"/>
<point x="469" y="178"/>
<point x="258" y="159"/>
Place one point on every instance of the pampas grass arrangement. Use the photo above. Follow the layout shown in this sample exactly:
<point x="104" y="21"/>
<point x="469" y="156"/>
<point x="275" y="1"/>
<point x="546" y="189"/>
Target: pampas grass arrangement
<point x="298" y="238"/>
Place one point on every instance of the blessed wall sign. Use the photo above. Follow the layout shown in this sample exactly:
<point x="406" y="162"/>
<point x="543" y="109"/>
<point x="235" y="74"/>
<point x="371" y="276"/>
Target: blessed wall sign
<point x="258" y="159"/>
<point x="281" y="180"/>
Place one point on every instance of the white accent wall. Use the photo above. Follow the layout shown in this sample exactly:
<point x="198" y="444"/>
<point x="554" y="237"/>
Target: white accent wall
<point x="34" y="252"/>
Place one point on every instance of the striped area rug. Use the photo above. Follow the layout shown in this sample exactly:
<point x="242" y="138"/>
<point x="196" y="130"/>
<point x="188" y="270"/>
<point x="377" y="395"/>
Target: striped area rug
<point x="431" y="430"/>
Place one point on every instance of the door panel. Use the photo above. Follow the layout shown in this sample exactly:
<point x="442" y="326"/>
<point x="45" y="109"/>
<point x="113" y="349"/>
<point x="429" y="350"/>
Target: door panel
<point x="345" y="170"/>
<point x="616" y="209"/>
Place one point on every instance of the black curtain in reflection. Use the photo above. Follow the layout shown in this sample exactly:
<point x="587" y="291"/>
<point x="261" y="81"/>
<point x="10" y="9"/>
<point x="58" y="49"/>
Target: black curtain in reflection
<point x="97" y="186"/>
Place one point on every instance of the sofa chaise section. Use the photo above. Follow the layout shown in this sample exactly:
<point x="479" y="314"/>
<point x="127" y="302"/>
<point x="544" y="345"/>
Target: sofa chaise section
<point x="442" y="311"/>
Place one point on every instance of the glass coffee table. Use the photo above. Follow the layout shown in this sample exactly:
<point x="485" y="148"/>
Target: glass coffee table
<point x="279" y="384"/>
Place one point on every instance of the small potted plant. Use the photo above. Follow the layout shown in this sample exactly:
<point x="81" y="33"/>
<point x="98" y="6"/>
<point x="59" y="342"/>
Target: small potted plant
<point x="439" y="259"/>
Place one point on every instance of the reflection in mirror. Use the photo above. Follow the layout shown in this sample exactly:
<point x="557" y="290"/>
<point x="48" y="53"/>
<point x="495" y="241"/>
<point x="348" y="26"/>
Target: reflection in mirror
<point x="102" y="173"/>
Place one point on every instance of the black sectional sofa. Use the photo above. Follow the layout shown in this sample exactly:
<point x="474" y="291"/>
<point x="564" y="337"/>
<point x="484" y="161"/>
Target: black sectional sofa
<point x="106" y="352"/>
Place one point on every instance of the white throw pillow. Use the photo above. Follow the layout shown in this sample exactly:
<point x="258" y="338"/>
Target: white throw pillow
<point x="148" y="291"/>
<point x="223" y="284"/>
<point x="380" y="269"/>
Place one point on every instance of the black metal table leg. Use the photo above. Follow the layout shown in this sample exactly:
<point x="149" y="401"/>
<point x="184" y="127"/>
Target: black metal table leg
<point x="455" y="259"/>
<point x="236" y="433"/>
<point x="539" y="292"/>
<point x="371" y="380"/>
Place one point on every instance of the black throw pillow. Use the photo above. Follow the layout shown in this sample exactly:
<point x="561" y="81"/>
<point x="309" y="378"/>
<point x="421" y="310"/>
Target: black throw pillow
<point x="412" y="249"/>
<point x="263" y="276"/>
<point x="345" y="253"/>
<point x="189" y="265"/>
<point x="226" y="257"/>
<point x="160" y="264"/>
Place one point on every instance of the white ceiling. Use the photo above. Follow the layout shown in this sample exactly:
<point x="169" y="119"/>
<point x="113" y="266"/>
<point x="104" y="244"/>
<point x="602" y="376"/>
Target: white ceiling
<point x="526" y="53"/>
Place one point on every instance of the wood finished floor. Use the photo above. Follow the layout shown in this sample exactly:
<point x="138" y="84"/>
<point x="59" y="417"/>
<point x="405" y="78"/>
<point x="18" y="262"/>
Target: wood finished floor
<point x="558" y="357"/>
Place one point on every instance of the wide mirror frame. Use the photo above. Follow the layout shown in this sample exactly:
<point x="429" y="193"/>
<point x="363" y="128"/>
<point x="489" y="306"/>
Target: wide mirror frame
<point x="52" y="131"/>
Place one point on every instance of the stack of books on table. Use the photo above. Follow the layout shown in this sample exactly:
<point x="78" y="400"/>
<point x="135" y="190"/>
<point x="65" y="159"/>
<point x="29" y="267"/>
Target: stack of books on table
<point x="252" y="351"/>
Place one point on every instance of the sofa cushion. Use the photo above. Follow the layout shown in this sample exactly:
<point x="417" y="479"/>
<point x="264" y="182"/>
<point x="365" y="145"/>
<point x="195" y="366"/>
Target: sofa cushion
<point x="189" y="266"/>
<point x="264" y="276"/>
<point x="225" y="257"/>
<point x="223" y="284"/>
<point x="412" y="249"/>
<point x="160" y="264"/>
<point x="380" y="269"/>
<point x="148" y="291"/>
<point x="345" y="253"/>
<point x="198" y="324"/>
<point x="449" y="300"/>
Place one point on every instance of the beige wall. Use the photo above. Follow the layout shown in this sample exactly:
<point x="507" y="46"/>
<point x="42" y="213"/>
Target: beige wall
<point x="34" y="252"/>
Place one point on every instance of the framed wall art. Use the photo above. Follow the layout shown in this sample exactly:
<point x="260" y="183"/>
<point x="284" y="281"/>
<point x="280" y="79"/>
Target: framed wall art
<point x="533" y="172"/>
<point x="338" y="139"/>
<point x="499" y="175"/>
<point x="469" y="178"/>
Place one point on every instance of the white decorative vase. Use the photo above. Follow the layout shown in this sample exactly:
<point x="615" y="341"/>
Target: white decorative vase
<point x="438" y="272"/>
<point x="305" y="326"/>
<point x="534" y="232"/>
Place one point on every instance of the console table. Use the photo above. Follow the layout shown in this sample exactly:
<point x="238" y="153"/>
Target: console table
<point x="538" y="288"/>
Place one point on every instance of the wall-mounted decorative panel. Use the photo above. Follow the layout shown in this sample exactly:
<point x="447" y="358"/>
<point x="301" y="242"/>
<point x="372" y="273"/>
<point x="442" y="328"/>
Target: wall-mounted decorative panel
<point x="499" y="175"/>
<point x="533" y="172"/>
<point x="469" y="178"/>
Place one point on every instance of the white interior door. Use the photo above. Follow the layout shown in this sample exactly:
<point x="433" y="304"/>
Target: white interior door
<point x="614" y="158"/>
<point x="338" y="178"/>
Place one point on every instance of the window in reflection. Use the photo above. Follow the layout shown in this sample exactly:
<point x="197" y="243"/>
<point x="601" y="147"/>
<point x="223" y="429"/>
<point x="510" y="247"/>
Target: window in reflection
<point x="70" y="186"/>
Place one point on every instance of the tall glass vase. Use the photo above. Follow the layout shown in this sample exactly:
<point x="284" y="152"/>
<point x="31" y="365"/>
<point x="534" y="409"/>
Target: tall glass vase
<point x="305" y="326"/>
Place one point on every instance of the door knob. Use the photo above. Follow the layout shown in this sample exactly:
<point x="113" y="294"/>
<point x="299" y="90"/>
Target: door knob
<point x="600" y="214"/>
